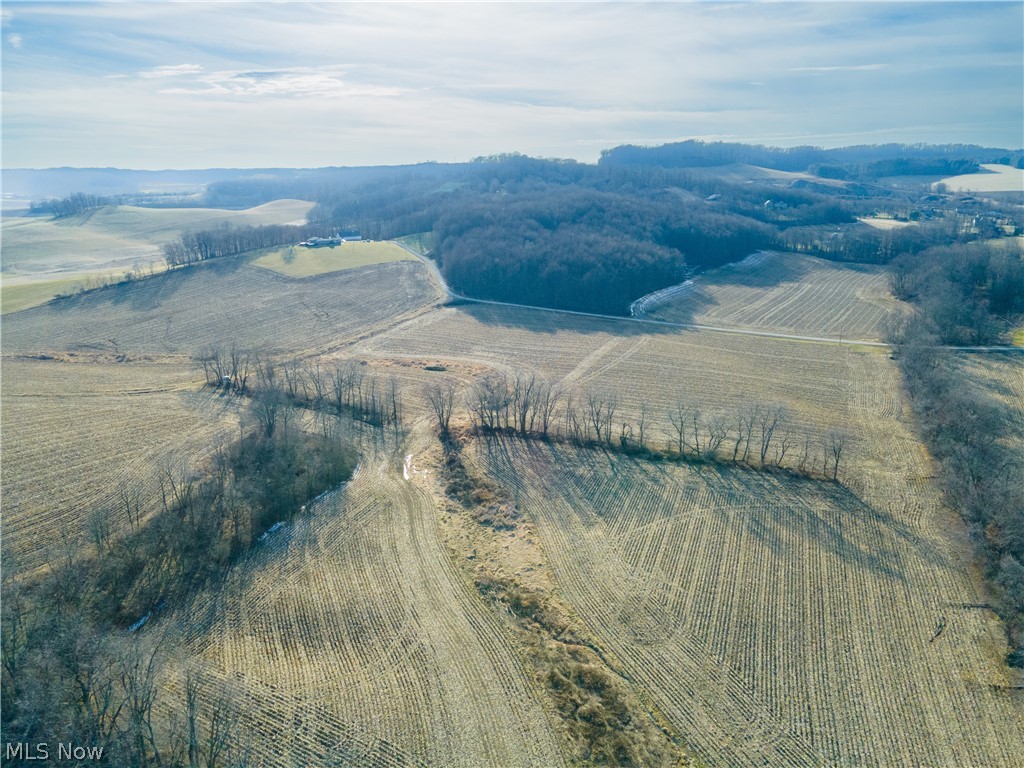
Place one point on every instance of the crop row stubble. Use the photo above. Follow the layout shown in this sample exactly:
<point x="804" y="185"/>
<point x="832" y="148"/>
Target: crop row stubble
<point x="358" y="606"/>
<point x="770" y="619"/>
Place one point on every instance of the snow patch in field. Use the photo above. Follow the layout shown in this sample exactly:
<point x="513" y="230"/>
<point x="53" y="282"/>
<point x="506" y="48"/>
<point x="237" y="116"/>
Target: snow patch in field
<point x="645" y="304"/>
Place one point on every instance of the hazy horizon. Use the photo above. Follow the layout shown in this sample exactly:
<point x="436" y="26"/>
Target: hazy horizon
<point x="156" y="86"/>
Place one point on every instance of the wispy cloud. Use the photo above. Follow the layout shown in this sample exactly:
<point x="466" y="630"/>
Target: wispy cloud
<point x="847" y="68"/>
<point x="169" y="70"/>
<point x="296" y="82"/>
<point x="15" y="40"/>
<point x="252" y="83"/>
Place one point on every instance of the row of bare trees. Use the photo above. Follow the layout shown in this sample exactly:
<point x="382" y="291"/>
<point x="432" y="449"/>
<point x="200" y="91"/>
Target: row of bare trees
<point x="524" y="404"/>
<point x="345" y="387"/>
<point x="191" y="247"/>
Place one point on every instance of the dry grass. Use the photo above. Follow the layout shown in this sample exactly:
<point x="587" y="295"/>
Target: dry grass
<point x="297" y="261"/>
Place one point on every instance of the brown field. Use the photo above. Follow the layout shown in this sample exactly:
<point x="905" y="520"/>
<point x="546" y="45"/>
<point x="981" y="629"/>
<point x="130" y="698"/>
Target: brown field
<point x="180" y="311"/>
<point x="357" y="622"/>
<point x="43" y="257"/>
<point x="716" y="372"/>
<point x="76" y="434"/>
<point x="788" y="293"/>
<point x="87" y="417"/>
<point x="771" y="621"/>
<point x="761" y="618"/>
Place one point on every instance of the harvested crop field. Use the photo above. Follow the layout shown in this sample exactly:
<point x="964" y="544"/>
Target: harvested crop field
<point x="642" y="364"/>
<point x="122" y="233"/>
<point x="78" y="435"/>
<point x="354" y="622"/>
<point x="787" y="293"/>
<point x="44" y="257"/>
<point x="299" y="261"/>
<point x="222" y="302"/>
<point x="771" y="621"/>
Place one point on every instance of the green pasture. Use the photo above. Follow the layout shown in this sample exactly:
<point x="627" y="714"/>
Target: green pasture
<point x="299" y="261"/>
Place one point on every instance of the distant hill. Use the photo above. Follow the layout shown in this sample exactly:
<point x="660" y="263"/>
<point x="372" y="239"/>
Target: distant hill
<point x="867" y="160"/>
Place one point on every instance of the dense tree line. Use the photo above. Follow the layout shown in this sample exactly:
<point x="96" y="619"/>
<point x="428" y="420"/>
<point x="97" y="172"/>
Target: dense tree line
<point x="596" y="237"/>
<point x="192" y="247"/>
<point x="965" y="428"/>
<point x="72" y="205"/>
<point x="868" y="160"/>
<point x="968" y="294"/>
<point x="342" y="388"/>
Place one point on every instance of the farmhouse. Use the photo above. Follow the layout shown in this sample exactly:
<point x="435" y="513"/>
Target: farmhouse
<point x="338" y="239"/>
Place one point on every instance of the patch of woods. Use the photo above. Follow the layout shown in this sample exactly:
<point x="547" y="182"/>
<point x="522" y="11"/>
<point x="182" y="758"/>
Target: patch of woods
<point x="968" y="294"/>
<point x="525" y="405"/>
<point x="967" y="429"/>
<point x="81" y="660"/>
<point x="226" y="240"/>
<point x="594" y="238"/>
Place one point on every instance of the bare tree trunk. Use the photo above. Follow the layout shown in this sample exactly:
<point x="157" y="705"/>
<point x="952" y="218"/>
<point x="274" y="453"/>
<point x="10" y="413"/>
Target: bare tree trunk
<point x="441" y="396"/>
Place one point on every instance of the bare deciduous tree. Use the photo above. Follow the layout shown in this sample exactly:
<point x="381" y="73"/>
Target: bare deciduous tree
<point x="836" y="443"/>
<point x="769" y="420"/>
<point x="547" y="401"/>
<point x="441" y="396"/>
<point x="601" y="409"/>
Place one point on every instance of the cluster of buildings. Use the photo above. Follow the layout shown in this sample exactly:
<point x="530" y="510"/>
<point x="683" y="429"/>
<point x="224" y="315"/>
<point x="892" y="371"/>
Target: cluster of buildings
<point x="338" y="239"/>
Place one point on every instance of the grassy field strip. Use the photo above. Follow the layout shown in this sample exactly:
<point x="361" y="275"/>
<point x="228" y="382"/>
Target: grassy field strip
<point x="181" y="311"/>
<point x="769" y="666"/>
<point x="298" y="261"/>
<point x="360" y="608"/>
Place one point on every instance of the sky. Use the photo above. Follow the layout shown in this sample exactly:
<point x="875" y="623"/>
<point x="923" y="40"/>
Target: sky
<point x="155" y="85"/>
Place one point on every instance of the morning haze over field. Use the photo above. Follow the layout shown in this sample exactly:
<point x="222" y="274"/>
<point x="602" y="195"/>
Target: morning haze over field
<point x="487" y="385"/>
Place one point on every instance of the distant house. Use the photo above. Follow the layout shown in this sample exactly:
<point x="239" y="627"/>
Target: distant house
<point x="338" y="239"/>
